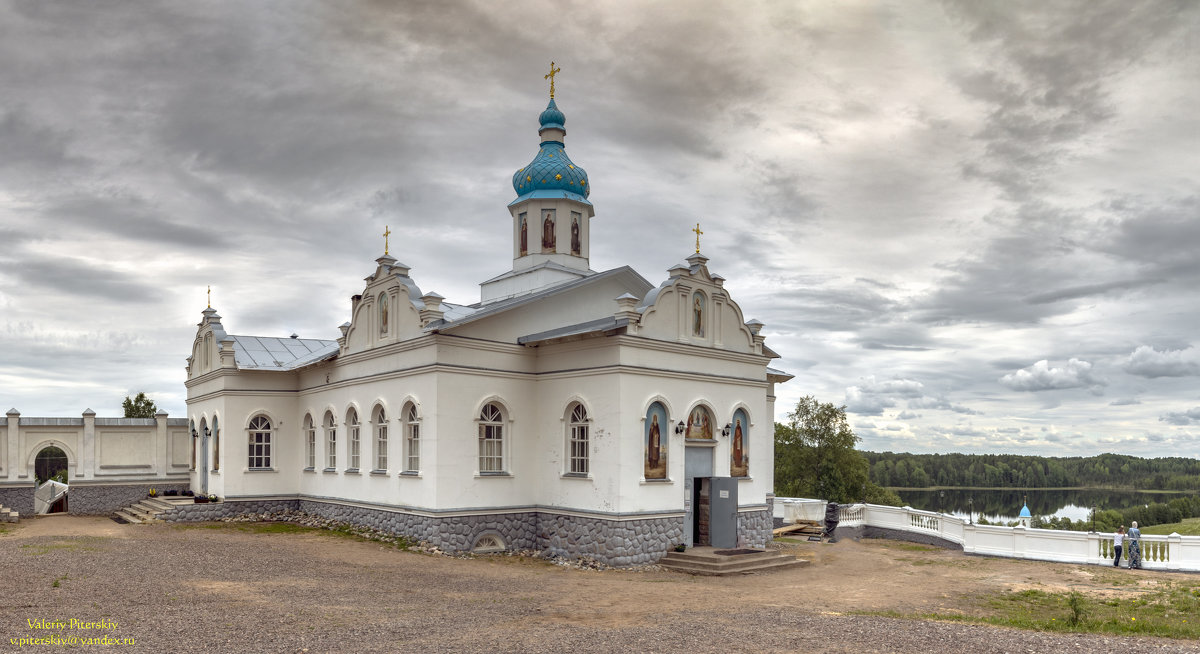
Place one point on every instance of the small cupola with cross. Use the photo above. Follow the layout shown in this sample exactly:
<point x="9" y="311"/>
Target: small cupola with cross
<point x="551" y="215"/>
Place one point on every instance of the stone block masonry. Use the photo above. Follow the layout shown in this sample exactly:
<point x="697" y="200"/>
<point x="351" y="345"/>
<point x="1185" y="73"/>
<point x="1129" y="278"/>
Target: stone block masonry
<point x="18" y="498"/>
<point x="612" y="542"/>
<point x="102" y="499"/>
<point x="754" y="528"/>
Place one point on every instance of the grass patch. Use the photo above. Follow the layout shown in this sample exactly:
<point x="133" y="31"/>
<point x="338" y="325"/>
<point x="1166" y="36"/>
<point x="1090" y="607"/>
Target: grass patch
<point x="39" y="549"/>
<point x="1189" y="527"/>
<point x="1172" y="611"/>
<point x="58" y="582"/>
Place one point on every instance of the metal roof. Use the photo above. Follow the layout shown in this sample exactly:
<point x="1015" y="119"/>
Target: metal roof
<point x="268" y="353"/>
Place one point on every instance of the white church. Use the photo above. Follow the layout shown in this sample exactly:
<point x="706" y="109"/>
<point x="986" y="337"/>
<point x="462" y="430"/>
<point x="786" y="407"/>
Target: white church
<point x="581" y="413"/>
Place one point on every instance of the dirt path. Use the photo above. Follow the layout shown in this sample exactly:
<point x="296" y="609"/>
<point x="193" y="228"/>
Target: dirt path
<point x="228" y="587"/>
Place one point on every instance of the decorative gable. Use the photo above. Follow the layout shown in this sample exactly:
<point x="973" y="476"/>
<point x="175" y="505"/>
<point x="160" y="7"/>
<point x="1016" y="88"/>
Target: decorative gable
<point x="390" y="309"/>
<point x="692" y="307"/>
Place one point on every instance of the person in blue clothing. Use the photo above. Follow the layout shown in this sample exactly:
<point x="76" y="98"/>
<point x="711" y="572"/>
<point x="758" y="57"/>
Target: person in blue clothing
<point x="1134" y="537"/>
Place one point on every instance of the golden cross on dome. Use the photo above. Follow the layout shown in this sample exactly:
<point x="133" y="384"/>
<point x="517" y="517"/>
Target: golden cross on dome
<point x="550" y="76"/>
<point x="698" y="233"/>
<point x="210" y="297"/>
<point x="387" y="231"/>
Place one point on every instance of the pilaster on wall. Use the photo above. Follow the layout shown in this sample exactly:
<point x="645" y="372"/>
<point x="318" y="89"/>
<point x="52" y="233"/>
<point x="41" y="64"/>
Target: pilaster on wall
<point x="8" y="445"/>
<point x="88" y="455"/>
<point x="160" y="444"/>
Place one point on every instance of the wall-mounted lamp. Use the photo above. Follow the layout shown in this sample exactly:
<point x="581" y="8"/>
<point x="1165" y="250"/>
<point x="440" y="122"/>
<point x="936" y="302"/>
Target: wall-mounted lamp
<point x="680" y="427"/>
<point x="728" y="428"/>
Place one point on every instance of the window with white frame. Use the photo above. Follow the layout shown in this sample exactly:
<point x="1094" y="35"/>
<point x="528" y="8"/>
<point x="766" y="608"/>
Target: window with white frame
<point x="216" y="445"/>
<point x="491" y="439"/>
<point x="381" y="435"/>
<point x="260" y="442"/>
<point x="412" y="427"/>
<point x="330" y="441"/>
<point x="352" y="433"/>
<point x="310" y="435"/>
<point x="577" y="441"/>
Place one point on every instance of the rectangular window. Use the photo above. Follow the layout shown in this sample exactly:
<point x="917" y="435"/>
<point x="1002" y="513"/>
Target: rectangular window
<point x="414" y="448"/>
<point x="354" y="451"/>
<point x="381" y="461"/>
<point x="260" y="449"/>
<point x="579" y="449"/>
<point x="491" y="448"/>
<point x="331" y="444"/>
<point x="312" y="447"/>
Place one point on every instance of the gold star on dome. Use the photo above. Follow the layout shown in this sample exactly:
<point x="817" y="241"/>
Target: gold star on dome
<point x="528" y="178"/>
<point x="558" y="177"/>
<point x="550" y="155"/>
<point x="570" y="166"/>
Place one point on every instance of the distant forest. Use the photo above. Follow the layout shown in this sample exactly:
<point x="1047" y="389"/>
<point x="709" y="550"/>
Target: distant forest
<point x="1016" y="471"/>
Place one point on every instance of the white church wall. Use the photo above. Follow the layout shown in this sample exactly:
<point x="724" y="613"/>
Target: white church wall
<point x="123" y="451"/>
<point x="588" y="302"/>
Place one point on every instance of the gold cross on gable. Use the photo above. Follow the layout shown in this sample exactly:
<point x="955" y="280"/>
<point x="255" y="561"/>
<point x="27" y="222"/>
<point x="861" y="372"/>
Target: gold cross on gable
<point x="550" y="76"/>
<point x="387" y="231"/>
<point x="210" y="297"/>
<point x="698" y="233"/>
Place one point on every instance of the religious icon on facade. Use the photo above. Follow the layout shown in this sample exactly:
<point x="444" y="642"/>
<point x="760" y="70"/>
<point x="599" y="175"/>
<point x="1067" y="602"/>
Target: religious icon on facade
<point x="383" y="313"/>
<point x="739" y="464"/>
<point x="699" y="424"/>
<point x="698" y="314"/>
<point x="524" y="236"/>
<point x="576" y="246"/>
<point x="656" y="445"/>
<point x="548" y="230"/>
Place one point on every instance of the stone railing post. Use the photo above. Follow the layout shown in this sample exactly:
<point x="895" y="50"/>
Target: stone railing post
<point x="1018" y="542"/>
<point x="968" y="538"/>
<point x="1174" y="551"/>
<point x="1094" y="552"/>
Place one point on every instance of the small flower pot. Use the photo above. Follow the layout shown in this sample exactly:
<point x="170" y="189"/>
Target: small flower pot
<point x="200" y="499"/>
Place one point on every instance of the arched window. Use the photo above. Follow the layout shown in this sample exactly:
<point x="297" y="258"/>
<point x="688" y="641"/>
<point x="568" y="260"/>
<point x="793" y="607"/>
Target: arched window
<point x="330" y="441"/>
<point x="577" y="441"/>
<point x="383" y="314"/>
<point x="352" y="431"/>
<point x="491" y="439"/>
<point x="381" y="435"/>
<point x="204" y="434"/>
<point x="192" y="428"/>
<point x="260" y="442"/>
<point x="216" y="434"/>
<point x="412" y="432"/>
<point x="739" y="451"/>
<point x="657" y="431"/>
<point x="310" y="435"/>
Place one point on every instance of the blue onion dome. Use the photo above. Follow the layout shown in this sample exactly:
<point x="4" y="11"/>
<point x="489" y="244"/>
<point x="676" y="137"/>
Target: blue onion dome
<point x="1025" y="512"/>
<point x="552" y="117"/>
<point x="551" y="171"/>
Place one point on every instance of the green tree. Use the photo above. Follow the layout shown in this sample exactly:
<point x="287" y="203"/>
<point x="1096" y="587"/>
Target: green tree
<point x="139" y="407"/>
<point x="815" y="457"/>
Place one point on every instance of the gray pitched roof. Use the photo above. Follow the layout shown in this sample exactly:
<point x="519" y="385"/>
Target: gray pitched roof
<point x="268" y="353"/>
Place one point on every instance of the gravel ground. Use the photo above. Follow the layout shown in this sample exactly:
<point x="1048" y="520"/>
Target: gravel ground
<point x="215" y="587"/>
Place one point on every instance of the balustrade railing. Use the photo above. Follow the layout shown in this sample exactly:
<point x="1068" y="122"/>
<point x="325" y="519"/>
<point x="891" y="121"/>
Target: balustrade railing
<point x="1172" y="552"/>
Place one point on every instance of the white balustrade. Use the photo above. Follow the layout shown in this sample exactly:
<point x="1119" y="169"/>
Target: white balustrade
<point x="1172" y="552"/>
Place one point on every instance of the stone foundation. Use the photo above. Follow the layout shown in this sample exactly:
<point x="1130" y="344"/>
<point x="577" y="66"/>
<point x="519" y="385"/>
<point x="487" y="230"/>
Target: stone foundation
<point x="754" y="528"/>
<point x="18" y="498"/>
<point x="613" y="542"/>
<point x="101" y="499"/>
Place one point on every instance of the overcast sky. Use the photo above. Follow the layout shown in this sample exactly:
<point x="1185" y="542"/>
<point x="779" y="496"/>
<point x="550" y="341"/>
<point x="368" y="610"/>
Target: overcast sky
<point x="974" y="224"/>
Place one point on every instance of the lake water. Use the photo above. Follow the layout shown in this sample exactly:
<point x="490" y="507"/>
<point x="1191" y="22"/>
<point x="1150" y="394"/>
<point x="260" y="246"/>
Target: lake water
<point x="1005" y="505"/>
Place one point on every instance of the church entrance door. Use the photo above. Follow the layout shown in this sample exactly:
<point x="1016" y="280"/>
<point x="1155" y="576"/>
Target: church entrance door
<point x="697" y="465"/>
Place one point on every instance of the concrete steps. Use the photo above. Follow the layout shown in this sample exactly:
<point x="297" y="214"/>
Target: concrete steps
<point x="723" y="563"/>
<point x="8" y="515"/>
<point x="144" y="511"/>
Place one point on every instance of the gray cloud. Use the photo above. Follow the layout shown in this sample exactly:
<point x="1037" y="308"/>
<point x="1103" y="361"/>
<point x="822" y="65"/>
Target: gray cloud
<point x="1145" y="361"/>
<point x="1189" y="417"/>
<point x="1041" y="376"/>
